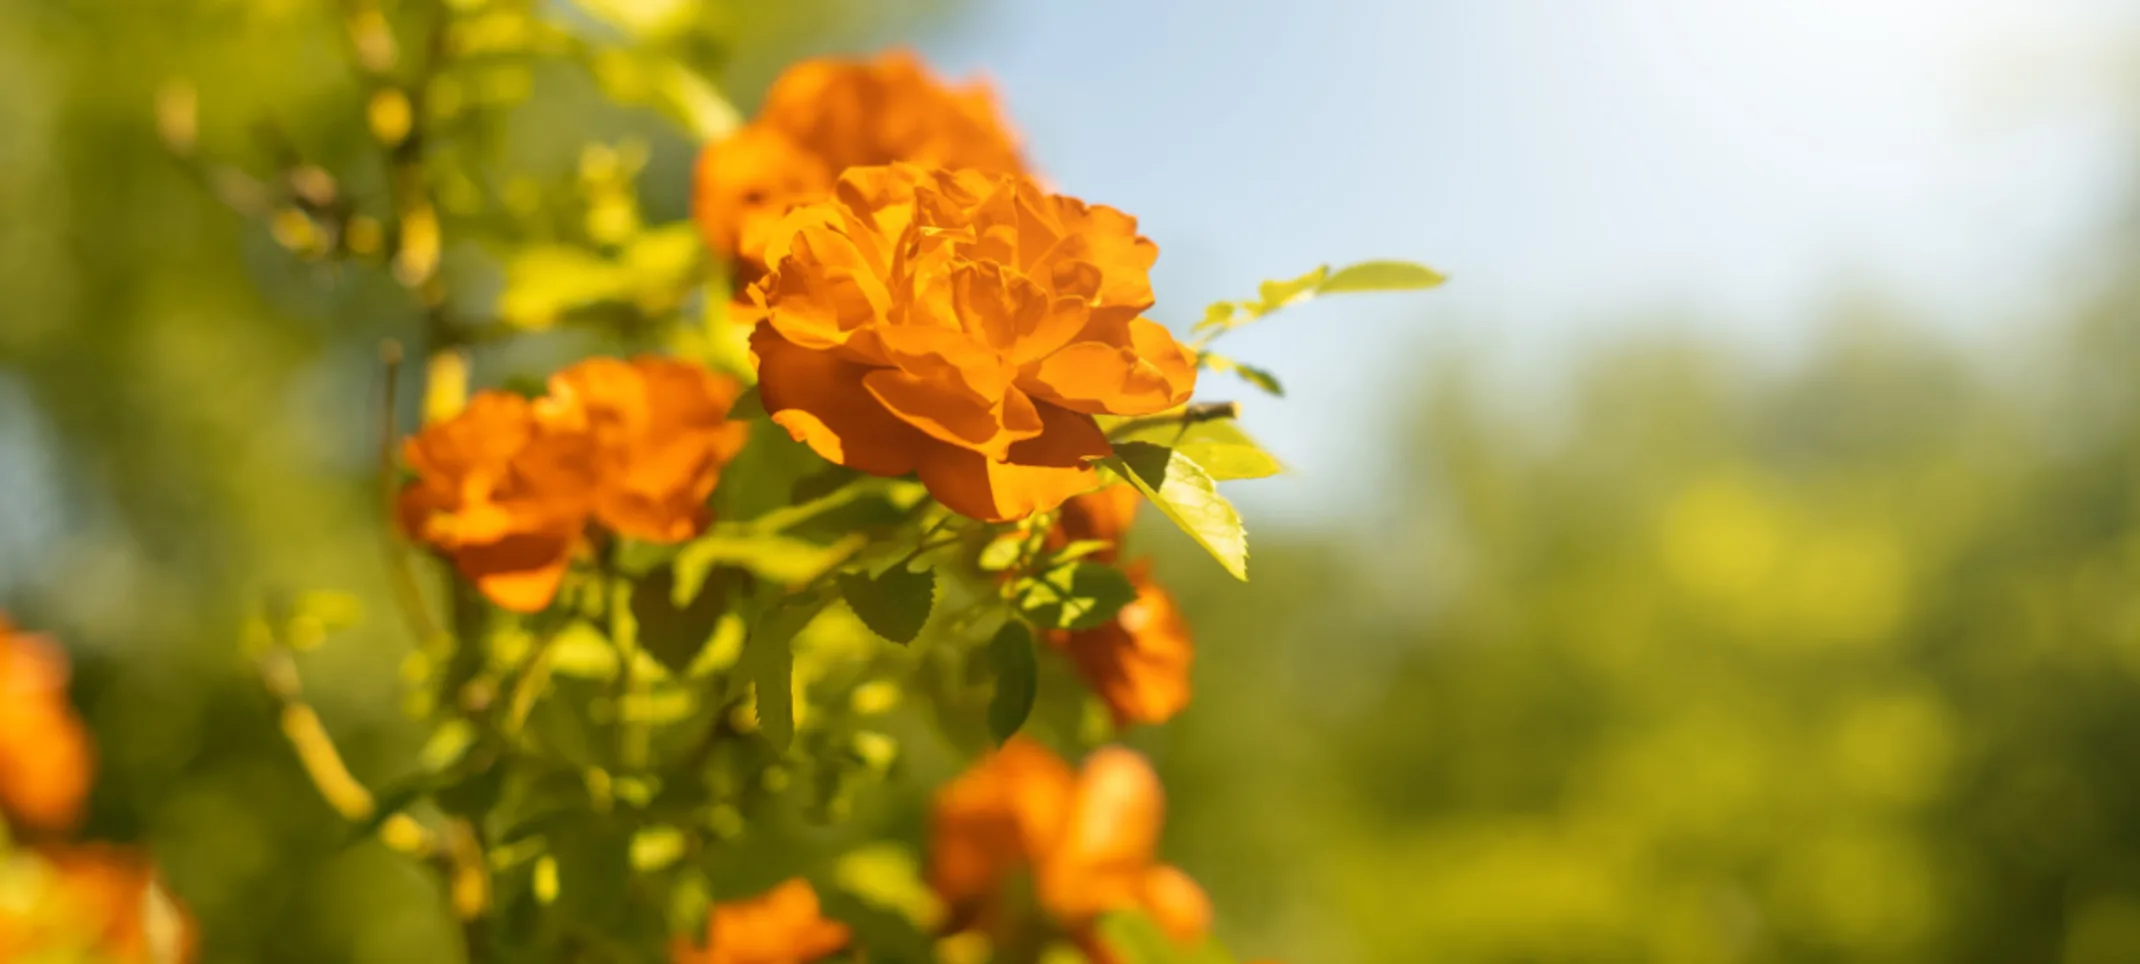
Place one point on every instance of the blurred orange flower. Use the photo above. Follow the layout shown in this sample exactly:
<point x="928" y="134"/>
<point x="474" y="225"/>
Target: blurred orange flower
<point x="964" y="326"/>
<point x="780" y="926"/>
<point x="824" y="116"/>
<point x="45" y="755"/>
<point x="1087" y="837"/>
<point x="507" y="487"/>
<point x="1139" y="661"/>
<point x="660" y="434"/>
<point x="92" y="900"/>
<point x="1102" y="516"/>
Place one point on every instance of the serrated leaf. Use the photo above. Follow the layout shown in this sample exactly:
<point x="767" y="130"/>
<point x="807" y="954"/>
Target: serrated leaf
<point x="1381" y="276"/>
<point x="1076" y="595"/>
<point x="769" y="661"/>
<point x="677" y="619"/>
<point x="1219" y="445"/>
<point x="1010" y="653"/>
<point x="1185" y="493"/>
<point x="895" y="604"/>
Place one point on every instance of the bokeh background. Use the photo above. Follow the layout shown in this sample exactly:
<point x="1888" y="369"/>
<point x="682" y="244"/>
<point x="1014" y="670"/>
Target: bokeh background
<point x="1738" y="562"/>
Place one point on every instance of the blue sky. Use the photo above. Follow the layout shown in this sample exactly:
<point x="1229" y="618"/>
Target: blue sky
<point x="1580" y="167"/>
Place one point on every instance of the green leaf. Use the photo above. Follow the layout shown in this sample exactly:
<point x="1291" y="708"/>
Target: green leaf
<point x="776" y="557"/>
<point x="1002" y="553"/>
<point x="1278" y="294"/>
<point x="545" y="282"/>
<point x="1219" y="314"/>
<point x="1249" y="373"/>
<point x="675" y="619"/>
<point x="1381" y="276"/>
<point x="1138" y="939"/>
<point x="893" y="605"/>
<point x="1186" y="493"/>
<point x="1077" y="595"/>
<point x="1219" y="445"/>
<point x="1017" y="680"/>
<point x="769" y="661"/>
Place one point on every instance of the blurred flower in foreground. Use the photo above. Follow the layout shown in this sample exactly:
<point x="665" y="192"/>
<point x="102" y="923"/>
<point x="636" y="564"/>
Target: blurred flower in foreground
<point x="964" y="326"/>
<point x="1138" y="662"/>
<point x="65" y="902"/>
<point x="1087" y="838"/>
<point x="90" y="903"/>
<point x="824" y="116"/>
<point x="508" y="486"/>
<point x="45" y="756"/>
<point x="780" y="926"/>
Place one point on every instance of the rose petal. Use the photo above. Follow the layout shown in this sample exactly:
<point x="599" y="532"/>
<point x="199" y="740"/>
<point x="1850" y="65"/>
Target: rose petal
<point x="973" y="485"/>
<point x="519" y="572"/>
<point x="954" y="416"/>
<point x="821" y="401"/>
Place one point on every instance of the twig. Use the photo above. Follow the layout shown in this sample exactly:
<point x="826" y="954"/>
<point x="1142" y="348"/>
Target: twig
<point x="315" y="749"/>
<point x="407" y="592"/>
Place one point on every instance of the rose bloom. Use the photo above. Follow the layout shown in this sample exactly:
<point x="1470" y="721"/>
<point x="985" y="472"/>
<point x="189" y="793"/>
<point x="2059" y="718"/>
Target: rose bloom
<point x="89" y="902"/>
<point x="780" y="926"/>
<point x="1103" y="516"/>
<point x="45" y="755"/>
<point x="966" y="327"/>
<point x="1138" y="662"/>
<point x="824" y="116"/>
<point x="1088" y="838"/>
<point x="508" y="487"/>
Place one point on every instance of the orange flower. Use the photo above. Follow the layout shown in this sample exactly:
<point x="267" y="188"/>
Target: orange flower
<point x="660" y="435"/>
<point x="780" y="926"/>
<point x="1138" y="662"/>
<point x="965" y="326"/>
<point x="824" y="116"/>
<point x="1088" y="838"/>
<point x="507" y="487"/>
<point x="45" y="754"/>
<point x="92" y="900"/>
<point x="1102" y="516"/>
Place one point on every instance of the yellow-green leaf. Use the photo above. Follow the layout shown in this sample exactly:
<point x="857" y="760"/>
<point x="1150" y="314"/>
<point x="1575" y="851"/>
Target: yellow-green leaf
<point x="1185" y="493"/>
<point x="1381" y="276"/>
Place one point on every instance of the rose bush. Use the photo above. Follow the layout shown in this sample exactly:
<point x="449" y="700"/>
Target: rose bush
<point x="828" y="513"/>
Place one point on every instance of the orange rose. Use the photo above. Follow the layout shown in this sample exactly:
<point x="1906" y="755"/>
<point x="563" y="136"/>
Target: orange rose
<point x="1102" y="516"/>
<point x="91" y="900"/>
<point x="660" y="434"/>
<point x="45" y="755"/>
<point x="508" y="486"/>
<point x="963" y="326"/>
<point x="1089" y="839"/>
<point x="824" y="116"/>
<point x="1139" y="661"/>
<point x="781" y="926"/>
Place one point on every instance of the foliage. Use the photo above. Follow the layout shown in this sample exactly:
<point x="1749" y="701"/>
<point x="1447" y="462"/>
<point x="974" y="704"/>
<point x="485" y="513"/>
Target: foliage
<point x="677" y="620"/>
